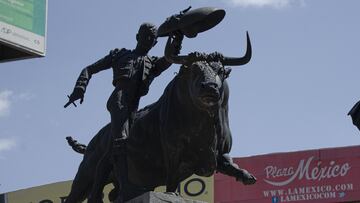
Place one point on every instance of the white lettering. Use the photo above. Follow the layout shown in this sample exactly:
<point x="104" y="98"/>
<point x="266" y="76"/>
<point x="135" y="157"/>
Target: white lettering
<point x="318" y="172"/>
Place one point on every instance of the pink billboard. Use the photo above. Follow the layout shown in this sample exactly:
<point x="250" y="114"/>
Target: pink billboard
<point x="323" y="175"/>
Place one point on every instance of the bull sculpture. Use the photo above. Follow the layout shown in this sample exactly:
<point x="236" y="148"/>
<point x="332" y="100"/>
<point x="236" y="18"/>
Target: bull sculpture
<point x="185" y="132"/>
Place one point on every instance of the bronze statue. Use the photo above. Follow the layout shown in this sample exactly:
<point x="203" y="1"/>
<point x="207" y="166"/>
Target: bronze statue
<point x="133" y="72"/>
<point x="185" y="132"/>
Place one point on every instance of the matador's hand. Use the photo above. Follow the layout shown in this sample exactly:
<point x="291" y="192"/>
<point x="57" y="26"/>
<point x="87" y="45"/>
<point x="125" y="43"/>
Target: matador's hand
<point x="77" y="94"/>
<point x="178" y="37"/>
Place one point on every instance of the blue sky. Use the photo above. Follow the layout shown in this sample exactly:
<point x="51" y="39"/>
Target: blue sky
<point x="293" y="95"/>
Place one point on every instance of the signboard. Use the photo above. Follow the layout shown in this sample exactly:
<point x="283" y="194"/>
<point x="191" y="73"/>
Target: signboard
<point x="194" y="187"/>
<point x="314" y="176"/>
<point x="51" y="193"/>
<point x="22" y="28"/>
<point x="325" y="175"/>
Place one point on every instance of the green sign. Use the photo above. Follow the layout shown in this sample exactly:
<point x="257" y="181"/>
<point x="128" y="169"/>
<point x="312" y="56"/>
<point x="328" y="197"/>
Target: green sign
<point x="23" y="24"/>
<point x="26" y="14"/>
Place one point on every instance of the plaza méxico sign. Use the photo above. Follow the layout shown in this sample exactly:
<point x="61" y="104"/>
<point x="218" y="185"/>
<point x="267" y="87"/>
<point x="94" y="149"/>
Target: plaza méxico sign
<point x="324" y="175"/>
<point x="303" y="171"/>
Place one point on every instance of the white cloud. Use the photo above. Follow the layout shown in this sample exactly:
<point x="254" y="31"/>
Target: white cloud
<point x="25" y="96"/>
<point x="5" y="102"/>
<point x="7" y="144"/>
<point x="266" y="3"/>
<point x="7" y="98"/>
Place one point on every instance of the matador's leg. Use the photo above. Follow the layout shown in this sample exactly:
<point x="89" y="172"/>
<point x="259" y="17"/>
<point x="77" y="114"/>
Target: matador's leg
<point x="117" y="105"/>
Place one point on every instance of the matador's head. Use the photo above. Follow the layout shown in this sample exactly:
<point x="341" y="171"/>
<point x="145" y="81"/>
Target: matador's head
<point x="146" y="37"/>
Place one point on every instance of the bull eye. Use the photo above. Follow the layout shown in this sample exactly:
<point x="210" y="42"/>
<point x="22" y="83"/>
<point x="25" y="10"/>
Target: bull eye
<point x="221" y="73"/>
<point x="200" y="68"/>
<point x="197" y="69"/>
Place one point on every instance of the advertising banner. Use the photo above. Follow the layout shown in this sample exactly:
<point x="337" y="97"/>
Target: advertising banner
<point x="23" y="24"/>
<point x="194" y="187"/>
<point x="325" y="175"/>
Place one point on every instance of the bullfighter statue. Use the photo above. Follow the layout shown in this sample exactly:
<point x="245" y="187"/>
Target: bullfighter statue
<point x="185" y="132"/>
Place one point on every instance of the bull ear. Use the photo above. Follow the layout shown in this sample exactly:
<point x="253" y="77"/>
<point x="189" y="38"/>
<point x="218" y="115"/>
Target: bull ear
<point x="234" y="61"/>
<point x="227" y="72"/>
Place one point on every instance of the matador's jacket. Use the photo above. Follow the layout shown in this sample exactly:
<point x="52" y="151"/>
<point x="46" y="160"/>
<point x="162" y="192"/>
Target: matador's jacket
<point x="132" y="76"/>
<point x="129" y="70"/>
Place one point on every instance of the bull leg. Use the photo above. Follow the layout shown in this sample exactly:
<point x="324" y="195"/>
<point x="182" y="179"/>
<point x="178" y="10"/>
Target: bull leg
<point x="103" y="170"/>
<point x="228" y="167"/>
<point x="84" y="178"/>
<point x="171" y="185"/>
<point x="79" y="189"/>
<point x="120" y="170"/>
<point x="172" y="179"/>
<point x="114" y="192"/>
<point x="76" y="196"/>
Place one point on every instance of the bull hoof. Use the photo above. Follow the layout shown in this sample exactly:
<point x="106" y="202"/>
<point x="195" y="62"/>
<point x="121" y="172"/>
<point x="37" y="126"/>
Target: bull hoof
<point x="245" y="177"/>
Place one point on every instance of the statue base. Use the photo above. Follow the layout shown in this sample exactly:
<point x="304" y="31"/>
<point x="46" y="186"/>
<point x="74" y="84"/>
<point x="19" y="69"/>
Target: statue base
<point x="160" y="197"/>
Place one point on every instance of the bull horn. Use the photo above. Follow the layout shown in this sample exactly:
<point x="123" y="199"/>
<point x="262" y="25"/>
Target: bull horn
<point x="170" y="57"/>
<point x="233" y="61"/>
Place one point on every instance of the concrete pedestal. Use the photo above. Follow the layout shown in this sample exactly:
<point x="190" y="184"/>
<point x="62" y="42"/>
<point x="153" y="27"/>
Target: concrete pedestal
<point x="160" y="197"/>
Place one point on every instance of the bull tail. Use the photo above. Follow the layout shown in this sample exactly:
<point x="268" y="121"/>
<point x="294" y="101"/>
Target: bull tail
<point x="77" y="147"/>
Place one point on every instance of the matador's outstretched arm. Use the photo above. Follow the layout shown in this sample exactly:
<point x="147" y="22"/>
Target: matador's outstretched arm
<point x="85" y="76"/>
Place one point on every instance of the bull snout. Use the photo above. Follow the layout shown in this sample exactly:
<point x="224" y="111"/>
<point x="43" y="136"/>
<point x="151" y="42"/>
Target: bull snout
<point x="210" y="93"/>
<point x="210" y="89"/>
<point x="211" y="85"/>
